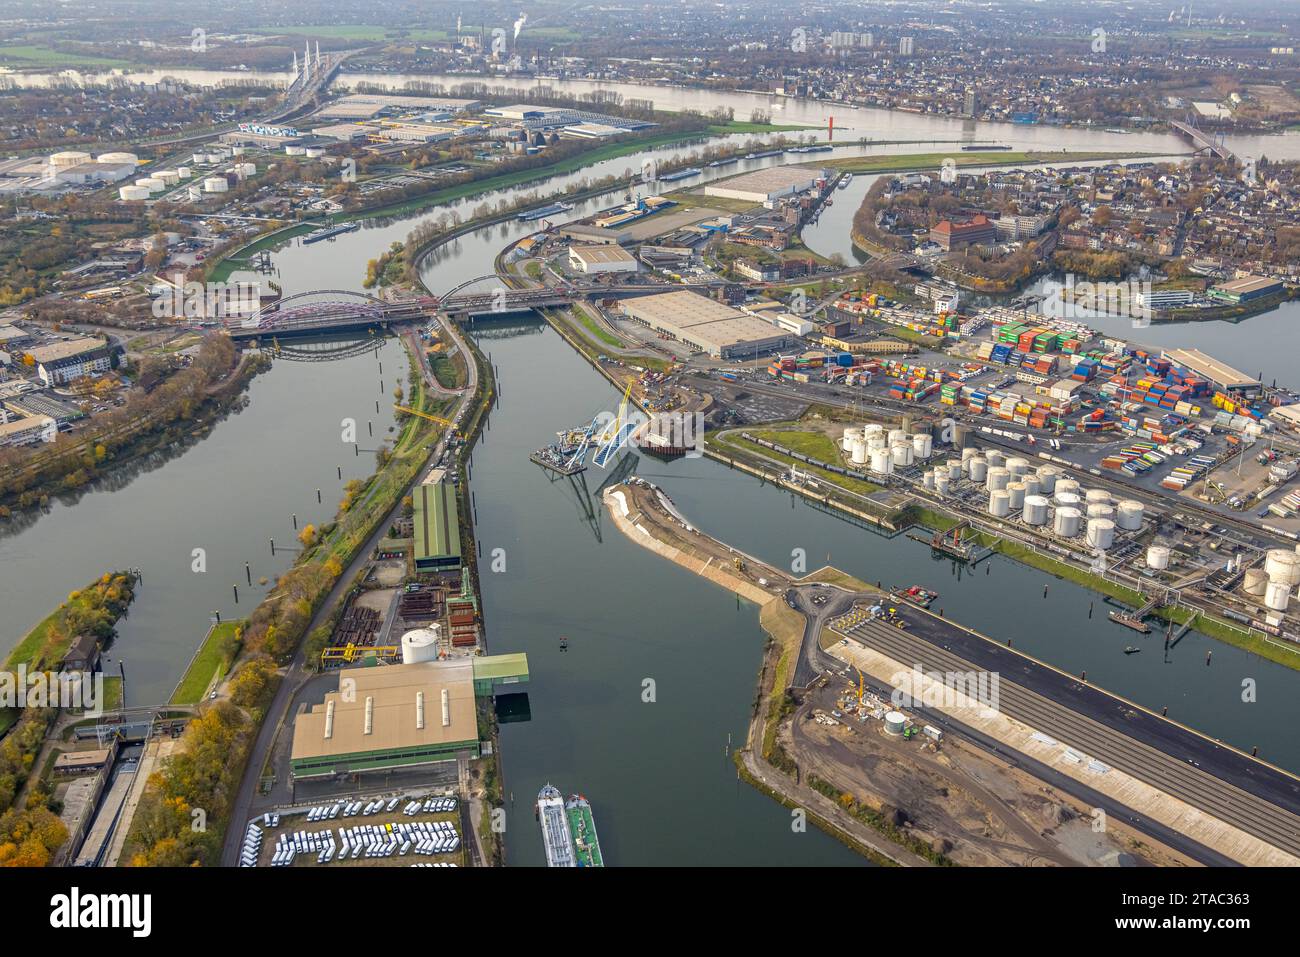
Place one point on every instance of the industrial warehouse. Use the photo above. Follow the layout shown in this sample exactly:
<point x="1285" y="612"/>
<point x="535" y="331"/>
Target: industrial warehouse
<point x="436" y="524"/>
<point x="711" y="327"/>
<point x="389" y="716"/>
<point x="766" y="185"/>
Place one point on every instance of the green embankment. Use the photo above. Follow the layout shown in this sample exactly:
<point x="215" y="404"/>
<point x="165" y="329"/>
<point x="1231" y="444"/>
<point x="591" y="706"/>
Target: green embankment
<point x="213" y="660"/>
<point x="912" y="161"/>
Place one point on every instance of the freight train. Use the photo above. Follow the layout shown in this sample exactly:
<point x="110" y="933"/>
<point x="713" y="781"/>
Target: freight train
<point x="800" y="457"/>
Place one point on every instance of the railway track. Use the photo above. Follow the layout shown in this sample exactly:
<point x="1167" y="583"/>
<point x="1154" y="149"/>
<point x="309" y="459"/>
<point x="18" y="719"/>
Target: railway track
<point x="1226" y="801"/>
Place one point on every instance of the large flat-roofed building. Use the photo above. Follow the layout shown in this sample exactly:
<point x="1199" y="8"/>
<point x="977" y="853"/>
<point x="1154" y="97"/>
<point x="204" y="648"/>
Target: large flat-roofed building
<point x="40" y="428"/>
<point x="709" y="326"/>
<point x="606" y="258"/>
<point x="365" y="106"/>
<point x="1245" y="289"/>
<point x="61" y="362"/>
<point x="1223" y="377"/>
<point x="764" y="185"/>
<point x="976" y="231"/>
<point x="400" y="716"/>
<point x="436" y="524"/>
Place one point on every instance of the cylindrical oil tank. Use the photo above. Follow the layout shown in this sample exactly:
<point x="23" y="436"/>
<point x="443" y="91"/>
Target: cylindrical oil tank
<point x="901" y="453"/>
<point x="998" y="478"/>
<point x="876" y="441"/>
<point x="183" y="172"/>
<point x="1129" y="515"/>
<point x="881" y="462"/>
<point x="196" y="192"/>
<point x="895" y="723"/>
<point x="979" y="469"/>
<point x="1255" y="581"/>
<point x="873" y="428"/>
<point x="921" y="445"/>
<point x="215" y="184"/>
<point x="420" y="644"/>
<point x="954" y="470"/>
<point x="1047" y="477"/>
<point x="995" y="458"/>
<point x="1067" y="522"/>
<point x="132" y="193"/>
<point x="1100" y="510"/>
<point x="999" y="504"/>
<point x="1032" y="485"/>
<point x="1017" y="465"/>
<point x="941" y="482"/>
<point x="927" y="478"/>
<point x="1016" y="491"/>
<point x="1096" y="496"/>
<point x="1035" y="511"/>
<point x="1066" y="485"/>
<point x="117" y="158"/>
<point x="967" y="454"/>
<point x="898" y="435"/>
<point x="960" y="436"/>
<point x="851" y="433"/>
<point x="1277" y="596"/>
<point x="860" y="452"/>
<point x="1158" y="557"/>
<point x="1101" y="533"/>
<point x="1065" y="499"/>
<point x="1282" y="566"/>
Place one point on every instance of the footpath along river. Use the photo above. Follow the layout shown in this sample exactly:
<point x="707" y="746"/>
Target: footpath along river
<point x="656" y="771"/>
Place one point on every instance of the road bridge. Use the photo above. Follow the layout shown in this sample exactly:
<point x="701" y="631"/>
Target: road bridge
<point x="1202" y="140"/>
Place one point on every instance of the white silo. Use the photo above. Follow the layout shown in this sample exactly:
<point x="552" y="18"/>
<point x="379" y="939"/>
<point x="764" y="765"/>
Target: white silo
<point x="1016" y="491"/>
<point x="1047" y="478"/>
<point x="117" y="157"/>
<point x="168" y="176"/>
<point x="941" y="482"/>
<point x="898" y="435"/>
<point x="901" y="452"/>
<point x="1158" y="557"/>
<point x="195" y="191"/>
<point x="873" y="428"/>
<point x="954" y="470"/>
<point x="1017" y="465"/>
<point x="998" y="478"/>
<point x="199" y="158"/>
<point x="1255" y="582"/>
<point x="995" y="458"/>
<point x="132" y="193"/>
<point x="215" y="184"/>
<point x="877" y="440"/>
<point x="1282" y="566"/>
<point x="895" y="723"/>
<point x="68" y="158"/>
<point x="927" y="478"/>
<point x="1100" y="510"/>
<point x="1129" y="515"/>
<point x="1032" y="485"/>
<point x="184" y="172"/>
<point x="999" y="504"/>
<point x="851" y="433"/>
<point x="967" y="454"/>
<point x="421" y="644"/>
<point x="1101" y="533"/>
<point x="1066" y="485"/>
<point x="979" y="469"/>
<point x="1067" y="522"/>
<point x="922" y="445"/>
<point x="1035" y="510"/>
<point x="1065" y="499"/>
<point x="859" y="453"/>
<point x="1096" y="496"/>
<point x="1277" y="596"/>
<point x="881" y="462"/>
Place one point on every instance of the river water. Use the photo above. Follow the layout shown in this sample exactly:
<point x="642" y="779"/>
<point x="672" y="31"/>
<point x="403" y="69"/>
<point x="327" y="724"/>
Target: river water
<point x="638" y="627"/>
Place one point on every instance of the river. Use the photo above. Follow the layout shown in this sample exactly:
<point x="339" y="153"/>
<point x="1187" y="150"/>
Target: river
<point x="656" y="771"/>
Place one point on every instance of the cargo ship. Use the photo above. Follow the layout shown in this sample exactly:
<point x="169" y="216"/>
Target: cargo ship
<point x="979" y="147"/>
<point x="582" y="829"/>
<point x="330" y="231"/>
<point x="918" y="596"/>
<point x="535" y="214"/>
<point x="551" y="814"/>
<point x="680" y="174"/>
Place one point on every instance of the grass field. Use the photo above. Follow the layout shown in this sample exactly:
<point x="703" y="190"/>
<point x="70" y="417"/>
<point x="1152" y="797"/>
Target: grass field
<point x="589" y="324"/>
<point x="214" y="657"/>
<point x="32" y="55"/>
<point x="913" y="161"/>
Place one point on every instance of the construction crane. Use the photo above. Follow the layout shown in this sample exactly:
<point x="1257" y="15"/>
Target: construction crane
<point x="425" y="415"/>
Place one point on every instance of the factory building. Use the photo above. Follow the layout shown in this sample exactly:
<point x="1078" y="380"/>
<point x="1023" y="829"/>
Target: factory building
<point x="1195" y="363"/>
<point x="436" y="524"/>
<point x="711" y="327"/>
<point x="1245" y="289"/>
<point x="399" y="716"/>
<point x="604" y="258"/>
<point x="766" y="185"/>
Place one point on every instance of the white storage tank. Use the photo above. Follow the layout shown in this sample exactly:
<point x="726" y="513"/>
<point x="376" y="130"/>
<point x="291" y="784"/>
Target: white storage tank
<point x="979" y="469"/>
<point x="1016" y="491"/>
<point x="1255" y="582"/>
<point x="1032" y="485"/>
<point x="967" y="454"/>
<point x="851" y="433"/>
<point x="998" y="478"/>
<point x="199" y="158"/>
<point x="941" y="482"/>
<point x="1277" y="596"/>
<point x="151" y="183"/>
<point x="295" y="151"/>
<point x="1096" y="496"/>
<point x="1129" y="515"/>
<point x="132" y="193"/>
<point x="895" y="722"/>
<point x="244" y="170"/>
<point x="859" y="453"/>
<point x="215" y="184"/>
<point x="1100" y="510"/>
<point x="184" y="172"/>
<point x="1017" y="465"/>
<point x="873" y="428"/>
<point x="999" y="504"/>
<point x="1158" y="557"/>
<point x="1065" y="499"/>
<point x="196" y="192"/>
<point x="927" y="478"/>
<point x="1101" y="533"/>
<point x="1035" y="511"/>
<point x="995" y="459"/>
<point x="901" y="453"/>
<point x="68" y="158"/>
<point x="1066" y="485"/>
<point x="877" y="440"/>
<point x="1283" y="566"/>
<point x="168" y="176"/>
<point x="118" y="157"/>
<point x="1047" y="478"/>
<point x="420" y="644"/>
<point x="898" y="435"/>
<point x="315" y="152"/>
<point x="922" y="445"/>
<point x="954" y="470"/>
<point x="881" y="462"/>
<point x="1067" y="523"/>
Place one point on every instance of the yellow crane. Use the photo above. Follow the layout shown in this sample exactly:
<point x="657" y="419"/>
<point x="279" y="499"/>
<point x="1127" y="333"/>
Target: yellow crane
<point x="426" y="415"/>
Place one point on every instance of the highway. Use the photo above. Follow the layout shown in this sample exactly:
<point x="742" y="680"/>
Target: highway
<point x="1257" y="798"/>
